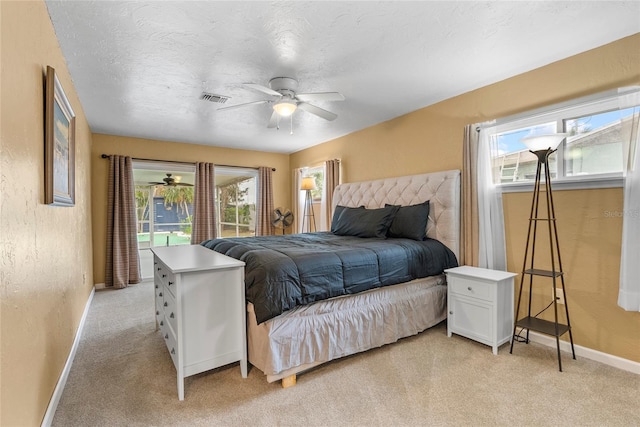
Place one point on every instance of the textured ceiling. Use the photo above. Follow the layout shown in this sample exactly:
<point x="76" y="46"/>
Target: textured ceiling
<point x="139" y="67"/>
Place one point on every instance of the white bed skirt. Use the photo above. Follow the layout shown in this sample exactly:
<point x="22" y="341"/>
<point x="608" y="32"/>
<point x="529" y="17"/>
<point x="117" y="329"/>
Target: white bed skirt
<point x="310" y="335"/>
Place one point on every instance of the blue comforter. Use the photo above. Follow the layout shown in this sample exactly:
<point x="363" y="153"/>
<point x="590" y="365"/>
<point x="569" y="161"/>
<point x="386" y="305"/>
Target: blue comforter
<point x="283" y="272"/>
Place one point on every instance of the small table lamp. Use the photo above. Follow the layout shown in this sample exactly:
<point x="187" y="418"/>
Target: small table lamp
<point x="308" y="184"/>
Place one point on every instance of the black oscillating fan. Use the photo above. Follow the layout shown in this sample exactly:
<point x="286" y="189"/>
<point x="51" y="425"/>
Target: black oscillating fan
<point x="282" y="218"/>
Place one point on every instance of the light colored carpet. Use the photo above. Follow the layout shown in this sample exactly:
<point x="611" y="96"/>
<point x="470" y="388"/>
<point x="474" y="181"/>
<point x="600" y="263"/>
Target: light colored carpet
<point x="123" y="376"/>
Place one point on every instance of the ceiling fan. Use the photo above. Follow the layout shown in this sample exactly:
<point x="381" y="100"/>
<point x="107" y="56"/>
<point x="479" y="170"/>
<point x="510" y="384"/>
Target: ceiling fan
<point x="171" y="182"/>
<point x="286" y="101"/>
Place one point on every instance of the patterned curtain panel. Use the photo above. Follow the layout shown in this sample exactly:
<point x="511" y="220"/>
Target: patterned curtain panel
<point x="469" y="230"/>
<point x="264" y="208"/>
<point x="331" y="181"/>
<point x="204" y="211"/>
<point x="123" y="263"/>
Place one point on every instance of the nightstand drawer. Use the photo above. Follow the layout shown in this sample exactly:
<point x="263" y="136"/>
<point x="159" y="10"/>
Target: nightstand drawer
<point x="470" y="288"/>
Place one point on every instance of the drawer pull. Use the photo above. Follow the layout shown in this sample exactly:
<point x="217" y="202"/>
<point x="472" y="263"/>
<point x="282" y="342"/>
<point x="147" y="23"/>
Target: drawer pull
<point x="157" y="313"/>
<point x="173" y="351"/>
<point x="160" y="294"/>
<point x="162" y="323"/>
<point x="171" y="315"/>
<point x="156" y="286"/>
<point x="170" y="283"/>
<point x="451" y="312"/>
<point x="164" y="275"/>
<point x="469" y="288"/>
<point x="166" y="337"/>
<point x="165" y="304"/>
<point x="158" y="268"/>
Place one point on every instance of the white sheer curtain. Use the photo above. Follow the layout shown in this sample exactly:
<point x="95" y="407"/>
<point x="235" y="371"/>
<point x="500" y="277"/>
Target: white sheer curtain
<point x="491" y="251"/>
<point x="297" y="200"/>
<point x="629" y="295"/>
<point x="331" y="174"/>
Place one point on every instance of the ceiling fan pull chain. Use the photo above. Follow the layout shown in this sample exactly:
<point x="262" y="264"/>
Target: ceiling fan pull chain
<point x="291" y="117"/>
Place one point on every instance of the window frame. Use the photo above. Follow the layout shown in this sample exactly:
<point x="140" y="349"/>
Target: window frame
<point x="241" y="171"/>
<point x="559" y="113"/>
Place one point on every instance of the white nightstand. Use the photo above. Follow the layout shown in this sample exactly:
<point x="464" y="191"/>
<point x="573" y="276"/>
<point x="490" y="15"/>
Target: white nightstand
<point x="480" y="304"/>
<point x="200" y="309"/>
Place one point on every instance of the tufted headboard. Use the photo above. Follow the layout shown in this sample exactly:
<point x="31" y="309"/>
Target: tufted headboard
<point x="442" y="189"/>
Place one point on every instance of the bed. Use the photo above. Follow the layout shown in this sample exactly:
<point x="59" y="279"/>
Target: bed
<point x="314" y="326"/>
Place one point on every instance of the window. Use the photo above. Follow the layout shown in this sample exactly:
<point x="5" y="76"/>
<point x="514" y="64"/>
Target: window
<point x="236" y="194"/>
<point x="318" y="175"/>
<point x="164" y="203"/>
<point x="596" y="143"/>
<point x="593" y="154"/>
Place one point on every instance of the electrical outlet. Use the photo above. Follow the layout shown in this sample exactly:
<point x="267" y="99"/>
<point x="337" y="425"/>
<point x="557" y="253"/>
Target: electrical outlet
<point x="559" y="295"/>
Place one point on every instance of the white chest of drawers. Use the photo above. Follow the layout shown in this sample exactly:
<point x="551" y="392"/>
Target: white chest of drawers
<point x="200" y="309"/>
<point x="480" y="304"/>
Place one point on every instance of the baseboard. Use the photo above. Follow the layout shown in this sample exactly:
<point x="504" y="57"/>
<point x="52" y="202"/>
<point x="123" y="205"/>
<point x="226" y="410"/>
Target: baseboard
<point x="100" y="286"/>
<point x="587" y="353"/>
<point x="62" y="381"/>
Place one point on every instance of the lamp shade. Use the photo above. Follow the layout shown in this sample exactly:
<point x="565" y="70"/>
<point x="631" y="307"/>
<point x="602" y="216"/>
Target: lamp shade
<point x="285" y="108"/>
<point x="548" y="141"/>
<point x="308" y="183"/>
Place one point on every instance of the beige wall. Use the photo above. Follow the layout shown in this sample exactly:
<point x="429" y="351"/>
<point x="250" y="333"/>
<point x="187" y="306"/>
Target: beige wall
<point x="161" y="150"/>
<point x="43" y="289"/>
<point x="430" y="139"/>
<point x="45" y="251"/>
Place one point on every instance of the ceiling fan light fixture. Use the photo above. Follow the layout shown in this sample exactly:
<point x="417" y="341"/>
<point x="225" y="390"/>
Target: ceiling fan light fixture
<point x="285" y="108"/>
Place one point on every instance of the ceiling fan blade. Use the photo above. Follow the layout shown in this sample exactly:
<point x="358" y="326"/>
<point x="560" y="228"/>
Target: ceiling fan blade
<point x="157" y="183"/>
<point x="231" y="107"/>
<point x="182" y="184"/>
<point x="263" y="89"/>
<point x="327" y="115"/>
<point x="320" y="96"/>
<point x="273" y="121"/>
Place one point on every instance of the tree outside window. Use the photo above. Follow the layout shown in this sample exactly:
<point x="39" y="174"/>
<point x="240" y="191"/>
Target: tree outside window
<point x="318" y="176"/>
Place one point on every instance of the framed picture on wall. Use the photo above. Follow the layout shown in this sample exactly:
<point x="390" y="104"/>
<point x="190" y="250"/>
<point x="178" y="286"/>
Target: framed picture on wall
<point x="59" y="134"/>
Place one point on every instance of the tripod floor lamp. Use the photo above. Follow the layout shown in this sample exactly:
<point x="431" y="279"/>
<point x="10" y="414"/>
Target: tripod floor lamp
<point x="308" y="184"/>
<point x="543" y="219"/>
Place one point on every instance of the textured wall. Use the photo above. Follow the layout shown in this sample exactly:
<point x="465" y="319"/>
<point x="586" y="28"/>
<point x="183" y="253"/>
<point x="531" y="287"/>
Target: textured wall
<point x="430" y="139"/>
<point x="45" y="251"/>
<point x="161" y="150"/>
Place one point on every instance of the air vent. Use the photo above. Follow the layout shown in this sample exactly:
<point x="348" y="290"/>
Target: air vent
<point x="212" y="97"/>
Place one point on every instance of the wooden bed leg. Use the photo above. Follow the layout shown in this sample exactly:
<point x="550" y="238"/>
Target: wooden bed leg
<point x="289" y="381"/>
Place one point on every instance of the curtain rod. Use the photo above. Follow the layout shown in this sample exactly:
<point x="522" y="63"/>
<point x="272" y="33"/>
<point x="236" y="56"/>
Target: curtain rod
<point x="106" y="156"/>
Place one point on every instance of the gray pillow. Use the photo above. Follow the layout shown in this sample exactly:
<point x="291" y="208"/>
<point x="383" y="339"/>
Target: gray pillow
<point x="336" y="214"/>
<point x="365" y="222"/>
<point x="410" y="222"/>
